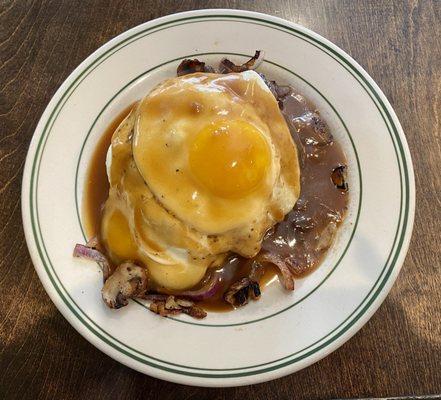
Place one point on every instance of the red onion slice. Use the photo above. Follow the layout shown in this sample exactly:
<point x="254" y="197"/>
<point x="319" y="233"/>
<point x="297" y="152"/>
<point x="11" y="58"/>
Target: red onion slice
<point x="288" y="279"/>
<point x="89" y="253"/>
<point x="205" y="292"/>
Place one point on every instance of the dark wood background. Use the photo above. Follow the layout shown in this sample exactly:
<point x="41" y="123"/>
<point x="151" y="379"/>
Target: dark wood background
<point x="398" y="352"/>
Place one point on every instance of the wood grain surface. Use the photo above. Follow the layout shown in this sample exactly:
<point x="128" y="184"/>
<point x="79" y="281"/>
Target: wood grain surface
<point x="398" y="352"/>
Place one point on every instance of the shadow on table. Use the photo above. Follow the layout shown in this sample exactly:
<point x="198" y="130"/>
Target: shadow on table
<point x="70" y="367"/>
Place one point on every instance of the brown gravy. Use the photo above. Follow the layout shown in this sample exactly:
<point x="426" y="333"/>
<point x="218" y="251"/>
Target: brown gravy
<point x="305" y="234"/>
<point x="97" y="185"/>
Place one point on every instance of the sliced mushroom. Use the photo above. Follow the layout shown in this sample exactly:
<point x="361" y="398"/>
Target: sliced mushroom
<point x="241" y="291"/>
<point x="128" y="281"/>
<point x="338" y="177"/>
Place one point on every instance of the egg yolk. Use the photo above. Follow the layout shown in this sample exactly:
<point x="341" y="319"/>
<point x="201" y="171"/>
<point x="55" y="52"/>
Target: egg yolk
<point x="117" y="236"/>
<point x="229" y="158"/>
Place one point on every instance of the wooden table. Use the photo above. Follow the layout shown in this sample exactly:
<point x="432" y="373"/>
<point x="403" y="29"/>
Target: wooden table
<point x="398" y="352"/>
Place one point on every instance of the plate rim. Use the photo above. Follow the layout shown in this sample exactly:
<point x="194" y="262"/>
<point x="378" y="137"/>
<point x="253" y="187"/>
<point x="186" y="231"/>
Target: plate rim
<point x="225" y="381"/>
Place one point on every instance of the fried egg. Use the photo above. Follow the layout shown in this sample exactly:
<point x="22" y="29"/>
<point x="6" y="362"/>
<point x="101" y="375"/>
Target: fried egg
<point x="204" y="165"/>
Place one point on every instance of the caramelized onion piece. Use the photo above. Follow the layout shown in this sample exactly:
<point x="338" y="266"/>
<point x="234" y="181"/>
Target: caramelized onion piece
<point x="89" y="252"/>
<point x="226" y="66"/>
<point x="188" y="66"/>
<point x="158" y="307"/>
<point x="288" y="279"/>
<point x="128" y="281"/>
<point x="174" y="306"/>
<point x="338" y="177"/>
<point x="241" y="291"/>
<point x="195" y="312"/>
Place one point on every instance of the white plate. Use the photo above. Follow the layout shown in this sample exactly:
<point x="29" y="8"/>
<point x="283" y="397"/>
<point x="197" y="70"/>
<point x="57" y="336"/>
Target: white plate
<point x="281" y="333"/>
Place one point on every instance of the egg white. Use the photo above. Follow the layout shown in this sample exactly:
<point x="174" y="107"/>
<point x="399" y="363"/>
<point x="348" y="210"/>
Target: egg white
<point x="175" y="255"/>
